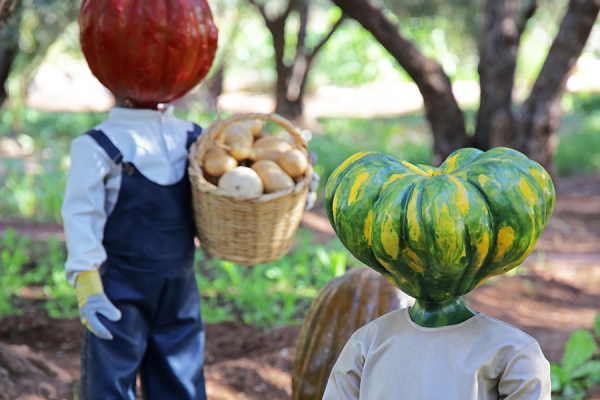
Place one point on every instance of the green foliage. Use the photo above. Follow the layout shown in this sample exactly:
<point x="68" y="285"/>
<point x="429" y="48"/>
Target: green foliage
<point x="12" y="257"/>
<point x="273" y="294"/>
<point x="577" y="372"/>
<point x="35" y="268"/>
<point x="578" y="151"/>
<point x="405" y="137"/>
<point x="34" y="187"/>
<point x="35" y="196"/>
<point x="269" y="295"/>
<point x="42" y="23"/>
<point x="352" y="57"/>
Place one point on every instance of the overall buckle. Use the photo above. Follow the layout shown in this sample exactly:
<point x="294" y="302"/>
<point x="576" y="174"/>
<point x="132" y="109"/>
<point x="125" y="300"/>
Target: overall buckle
<point x="128" y="168"/>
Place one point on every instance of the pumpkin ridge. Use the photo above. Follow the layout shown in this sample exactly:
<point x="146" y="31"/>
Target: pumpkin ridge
<point x="425" y="292"/>
<point x="508" y="198"/>
<point x="481" y="274"/>
<point x="191" y="47"/>
<point x="200" y="49"/>
<point x="132" y="68"/>
<point x="120" y="71"/>
<point x="458" y="288"/>
<point x="165" y="64"/>
<point x="470" y="162"/>
<point x="311" y="326"/>
<point x="442" y="269"/>
<point x="317" y="333"/>
<point x="405" y="234"/>
<point x="492" y="239"/>
<point x="526" y="172"/>
<point x="94" y="25"/>
<point x="330" y="340"/>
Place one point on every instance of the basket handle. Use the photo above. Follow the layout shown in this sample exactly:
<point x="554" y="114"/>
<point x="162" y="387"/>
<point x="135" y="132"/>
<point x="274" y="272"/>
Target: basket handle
<point x="214" y="130"/>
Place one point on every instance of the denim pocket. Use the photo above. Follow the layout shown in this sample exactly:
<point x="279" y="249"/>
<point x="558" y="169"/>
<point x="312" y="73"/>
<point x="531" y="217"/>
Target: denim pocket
<point x="168" y="242"/>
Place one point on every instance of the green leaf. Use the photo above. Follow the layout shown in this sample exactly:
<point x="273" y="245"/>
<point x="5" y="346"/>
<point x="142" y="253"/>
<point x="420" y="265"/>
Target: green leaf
<point x="597" y="325"/>
<point x="591" y="368"/>
<point x="555" y="381"/>
<point x="558" y="377"/>
<point x="580" y="348"/>
<point x="573" y="391"/>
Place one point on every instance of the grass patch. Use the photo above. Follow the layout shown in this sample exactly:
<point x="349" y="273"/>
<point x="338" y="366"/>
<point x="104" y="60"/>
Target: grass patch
<point x="269" y="295"/>
<point x="405" y="137"/>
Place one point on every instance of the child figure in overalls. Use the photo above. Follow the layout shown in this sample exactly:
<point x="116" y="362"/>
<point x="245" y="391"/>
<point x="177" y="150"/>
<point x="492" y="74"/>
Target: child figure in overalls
<point x="128" y="211"/>
<point x="130" y="235"/>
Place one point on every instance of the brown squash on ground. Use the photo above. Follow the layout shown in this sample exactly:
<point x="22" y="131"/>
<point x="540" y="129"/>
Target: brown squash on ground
<point x="343" y="306"/>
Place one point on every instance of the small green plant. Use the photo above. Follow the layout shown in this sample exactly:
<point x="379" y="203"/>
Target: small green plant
<point x="38" y="267"/>
<point x="12" y="259"/>
<point x="268" y="295"/>
<point x="273" y="294"/>
<point x="577" y="372"/>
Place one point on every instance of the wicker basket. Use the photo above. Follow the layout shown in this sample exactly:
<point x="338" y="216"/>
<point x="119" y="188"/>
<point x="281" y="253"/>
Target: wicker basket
<point x="245" y="231"/>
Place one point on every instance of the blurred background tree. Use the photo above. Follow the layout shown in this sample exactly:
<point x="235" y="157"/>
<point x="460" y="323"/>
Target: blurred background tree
<point x="290" y="27"/>
<point x="532" y="128"/>
<point x="26" y="37"/>
<point x="271" y="47"/>
<point x="7" y="7"/>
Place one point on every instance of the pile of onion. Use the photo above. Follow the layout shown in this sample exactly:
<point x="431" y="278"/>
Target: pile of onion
<point x="249" y="163"/>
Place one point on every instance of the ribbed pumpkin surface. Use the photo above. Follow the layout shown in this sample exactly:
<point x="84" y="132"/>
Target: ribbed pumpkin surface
<point x="343" y="306"/>
<point x="149" y="52"/>
<point x="439" y="232"/>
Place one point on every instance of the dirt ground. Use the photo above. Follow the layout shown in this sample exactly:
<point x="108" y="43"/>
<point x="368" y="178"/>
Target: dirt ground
<point x="554" y="293"/>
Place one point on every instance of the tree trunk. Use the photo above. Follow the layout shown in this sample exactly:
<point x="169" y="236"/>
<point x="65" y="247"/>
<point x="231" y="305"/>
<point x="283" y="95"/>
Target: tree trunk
<point x="291" y="80"/>
<point x="23" y="372"/>
<point x="444" y="115"/>
<point x="498" y="50"/>
<point x="539" y="118"/>
<point x="7" y="7"/>
<point x="9" y="48"/>
<point x="214" y="86"/>
<point x="292" y="110"/>
<point x="290" y="83"/>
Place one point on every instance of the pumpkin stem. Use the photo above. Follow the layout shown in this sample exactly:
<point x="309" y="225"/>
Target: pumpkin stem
<point x="433" y="315"/>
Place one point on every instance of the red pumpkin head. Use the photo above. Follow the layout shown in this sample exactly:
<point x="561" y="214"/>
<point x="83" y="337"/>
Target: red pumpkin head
<point x="148" y="51"/>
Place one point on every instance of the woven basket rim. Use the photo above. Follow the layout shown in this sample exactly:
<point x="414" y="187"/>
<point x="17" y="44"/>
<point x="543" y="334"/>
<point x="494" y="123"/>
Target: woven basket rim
<point x="212" y="133"/>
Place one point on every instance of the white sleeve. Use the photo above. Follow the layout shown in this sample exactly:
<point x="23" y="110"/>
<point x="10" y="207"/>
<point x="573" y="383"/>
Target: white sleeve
<point x="344" y="381"/>
<point x="526" y="376"/>
<point x="83" y="210"/>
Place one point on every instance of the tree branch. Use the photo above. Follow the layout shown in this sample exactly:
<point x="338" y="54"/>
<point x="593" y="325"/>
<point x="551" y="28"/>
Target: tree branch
<point x="525" y="14"/>
<point x="303" y="62"/>
<point x="262" y="11"/>
<point x="288" y="10"/>
<point x="324" y="40"/>
<point x="443" y="113"/>
<point x="540" y="114"/>
<point x="7" y="7"/>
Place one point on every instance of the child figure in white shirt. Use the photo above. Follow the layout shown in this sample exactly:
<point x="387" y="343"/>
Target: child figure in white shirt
<point x="437" y="233"/>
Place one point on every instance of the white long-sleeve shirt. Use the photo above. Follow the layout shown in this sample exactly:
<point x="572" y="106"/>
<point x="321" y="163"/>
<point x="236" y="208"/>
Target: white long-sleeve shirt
<point x="154" y="142"/>
<point x="480" y="359"/>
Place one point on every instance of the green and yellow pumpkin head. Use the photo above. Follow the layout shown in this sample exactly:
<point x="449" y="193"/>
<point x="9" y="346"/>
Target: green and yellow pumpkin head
<point x="437" y="233"/>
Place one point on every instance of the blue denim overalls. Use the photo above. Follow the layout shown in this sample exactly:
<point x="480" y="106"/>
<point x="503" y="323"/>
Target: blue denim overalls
<point x="149" y="277"/>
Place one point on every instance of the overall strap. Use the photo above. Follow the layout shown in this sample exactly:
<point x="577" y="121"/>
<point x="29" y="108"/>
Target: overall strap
<point x="108" y="146"/>
<point x="193" y="135"/>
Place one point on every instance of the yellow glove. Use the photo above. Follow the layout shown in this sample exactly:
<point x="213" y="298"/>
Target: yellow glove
<point x="92" y="300"/>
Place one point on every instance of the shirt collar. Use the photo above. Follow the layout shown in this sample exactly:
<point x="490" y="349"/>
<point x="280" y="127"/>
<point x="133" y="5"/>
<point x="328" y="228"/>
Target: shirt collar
<point x="139" y="114"/>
